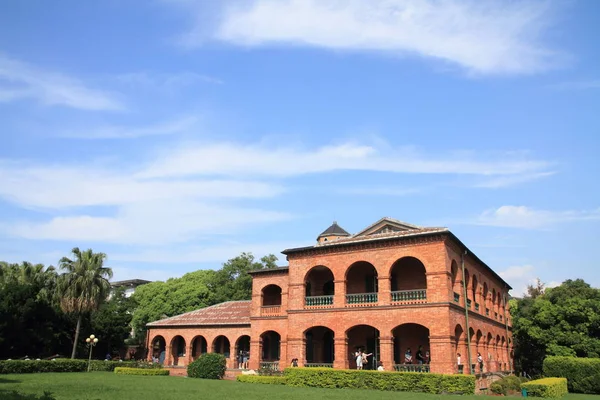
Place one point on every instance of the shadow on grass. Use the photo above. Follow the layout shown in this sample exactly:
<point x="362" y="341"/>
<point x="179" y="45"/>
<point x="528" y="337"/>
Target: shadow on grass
<point x="4" y="380"/>
<point x="14" y="395"/>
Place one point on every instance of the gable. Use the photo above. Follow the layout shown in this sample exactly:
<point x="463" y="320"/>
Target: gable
<point x="386" y="225"/>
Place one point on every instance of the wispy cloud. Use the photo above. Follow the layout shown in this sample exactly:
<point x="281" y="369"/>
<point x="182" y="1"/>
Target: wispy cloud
<point x="529" y="218"/>
<point x="19" y="80"/>
<point x="482" y="37"/>
<point x="131" y="132"/>
<point x="381" y="191"/>
<point x="227" y="159"/>
<point x="500" y="182"/>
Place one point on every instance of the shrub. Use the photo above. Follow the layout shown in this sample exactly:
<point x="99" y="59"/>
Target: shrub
<point x="394" y="381"/>
<point x="208" y="366"/>
<point x="140" y="371"/>
<point x="547" y="387"/>
<point x="269" y="380"/>
<point x="506" y="385"/>
<point x="583" y="374"/>
<point x="35" y="366"/>
<point x="109" y="366"/>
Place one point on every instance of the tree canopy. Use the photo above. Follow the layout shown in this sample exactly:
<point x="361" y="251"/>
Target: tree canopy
<point x="560" y="321"/>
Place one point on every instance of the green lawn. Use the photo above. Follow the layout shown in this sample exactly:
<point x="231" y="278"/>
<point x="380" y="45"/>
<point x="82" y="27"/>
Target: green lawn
<point x="108" y="386"/>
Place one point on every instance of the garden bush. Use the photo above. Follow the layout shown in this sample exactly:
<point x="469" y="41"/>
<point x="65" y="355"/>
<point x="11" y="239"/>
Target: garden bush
<point x="547" y="387"/>
<point x="269" y="380"/>
<point x="35" y="366"/>
<point x="583" y="374"/>
<point x="208" y="366"/>
<point x="141" y="371"/>
<point x="394" y="381"/>
<point x="508" y="385"/>
<point x="109" y="366"/>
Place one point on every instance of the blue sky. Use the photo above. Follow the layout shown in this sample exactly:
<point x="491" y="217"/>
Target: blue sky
<point x="173" y="135"/>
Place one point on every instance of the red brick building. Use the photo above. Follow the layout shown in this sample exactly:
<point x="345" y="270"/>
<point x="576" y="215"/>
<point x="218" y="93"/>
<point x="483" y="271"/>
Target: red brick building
<point x="388" y="288"/>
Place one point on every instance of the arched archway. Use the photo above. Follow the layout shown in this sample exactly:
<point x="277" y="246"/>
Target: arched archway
<point x="409" y="281"/>
<point x="319" y="347"/>
<point x="485" y="299"/>
<point x="319" y="287"/>
<point x="411" y="347"/>
<point x="222" y="345"/>
<point x="178" y="350"/>
<point x="497" y="355"/>
<point x="242" y="351"/>
<point x="493" y="307"/>
<point x="271" y="296"/>
<point x="474" y="290"/>
<point x="159" y="347"/>
<point x="455" y="276"/>
<point x="467" y="286"/>
<point x="365" y="338"/>
<point x="199" y="346"/>
<point x="459" y="338"/>
<point x="361" y="284"/>
<point x="488" y="350"/>
<point x="270" y="342"/>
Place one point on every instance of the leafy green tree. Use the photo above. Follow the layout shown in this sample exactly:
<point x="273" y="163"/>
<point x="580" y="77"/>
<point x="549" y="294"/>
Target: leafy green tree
<point x="83" y="286"/>
<point x="560" y="321"/>
<point x="31" y="323"/>
<point x="112" y="322"/>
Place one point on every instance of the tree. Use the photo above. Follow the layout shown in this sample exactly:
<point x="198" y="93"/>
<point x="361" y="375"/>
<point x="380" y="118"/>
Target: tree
<point x="83" y="286"/>
<point x="564" y="320"/>
<point x="537" y="289"/>
<point x="112" y="322"/>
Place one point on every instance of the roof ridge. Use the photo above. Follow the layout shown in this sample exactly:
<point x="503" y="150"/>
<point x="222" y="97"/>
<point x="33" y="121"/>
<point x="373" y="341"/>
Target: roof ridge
<point x="199" y="309"/>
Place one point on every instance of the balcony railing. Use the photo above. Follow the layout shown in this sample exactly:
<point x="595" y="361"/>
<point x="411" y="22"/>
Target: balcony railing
<point x="270" y="365"/>
<point x="409" y="296"/>
<point x="318" y="365"/>
<point x="468" y="303"/>
<point x="267" y="311"/>
<point x="361" y="298"/>
<point x="456" y="297"/>
<point x="318" y="301"/>
<point x="411" y="367"/>
<point x="476" y="306"/>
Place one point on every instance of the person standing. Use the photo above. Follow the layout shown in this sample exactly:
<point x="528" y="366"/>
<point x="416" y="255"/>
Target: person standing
<point x="408" y="359"/>
<point x="459" y="363"/>
<point x="420" y="358"/>
<point x="359" y="359"/>
<point x="480" y="362"/>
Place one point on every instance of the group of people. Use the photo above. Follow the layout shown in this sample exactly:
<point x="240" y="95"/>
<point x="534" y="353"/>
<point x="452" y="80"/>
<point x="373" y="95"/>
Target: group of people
<point x="479" y="362"/>
<point x="243" y="359"/>
<point x="421" y="356"/>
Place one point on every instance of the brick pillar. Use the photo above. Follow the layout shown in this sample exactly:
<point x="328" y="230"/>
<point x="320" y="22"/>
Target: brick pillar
<point x="385" y="290"/>
<point x="295" y="350"/>
<point x="255" y="352"/>
<point x="341" y="352"/>
<point x="283" y="357"/>
<point x="386" y="345"/>
<point x="339" y="298"/>
<point x="168" y="349"/>
<point x="443" y="356"/>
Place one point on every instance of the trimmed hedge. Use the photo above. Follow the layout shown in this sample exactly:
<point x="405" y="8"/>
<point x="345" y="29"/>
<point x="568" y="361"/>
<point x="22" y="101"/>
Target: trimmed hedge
<point x="268" y="380"/>
<point x="208" y="366"/>
<point x="109" y="366"/>
<point x="378" y="380"/>
<point x="141" y="371"/>
<point x="583" y="374"/>
<point x="507" y="384"/>
<point x="35" y="366"/>
<point x="547" y="387"/>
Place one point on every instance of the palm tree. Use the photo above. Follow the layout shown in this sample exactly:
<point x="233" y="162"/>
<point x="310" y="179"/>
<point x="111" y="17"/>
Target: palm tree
<point x="84" y="285"/>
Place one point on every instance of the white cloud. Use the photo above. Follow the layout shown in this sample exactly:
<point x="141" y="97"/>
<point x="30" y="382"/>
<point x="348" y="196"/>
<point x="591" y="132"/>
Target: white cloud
<point x="512" y="180"/>
<point x="255" y="160"/>
<point x="482" y="37"/>
<point x="519" y="277"/>
<point x="528" y="218"/>
<point x="381" y="191"/>
<point x="130" y="132"/>
<point x="149" y="223"/>
<point x="19" y="80"/>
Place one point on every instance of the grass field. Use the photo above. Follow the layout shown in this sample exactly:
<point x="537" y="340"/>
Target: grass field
<point x="108" y="386"/>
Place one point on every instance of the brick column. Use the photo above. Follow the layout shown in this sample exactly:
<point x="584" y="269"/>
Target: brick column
<point x="283" y="357"/>
<point x="295" y="349"/>
<point x="339" y="298"/>
<point x="255" y="352"/>
<point x="341" y="352"/>
<point x="168" y="349"/>
<point x="443" y="357"/>
<point x="385" y="290"/>
<point x="386" y="346"/>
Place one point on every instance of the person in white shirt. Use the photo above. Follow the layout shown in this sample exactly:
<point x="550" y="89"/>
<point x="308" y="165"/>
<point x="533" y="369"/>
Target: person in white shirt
<point x="380" y="367"/>
<point x="458" y="362"/>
